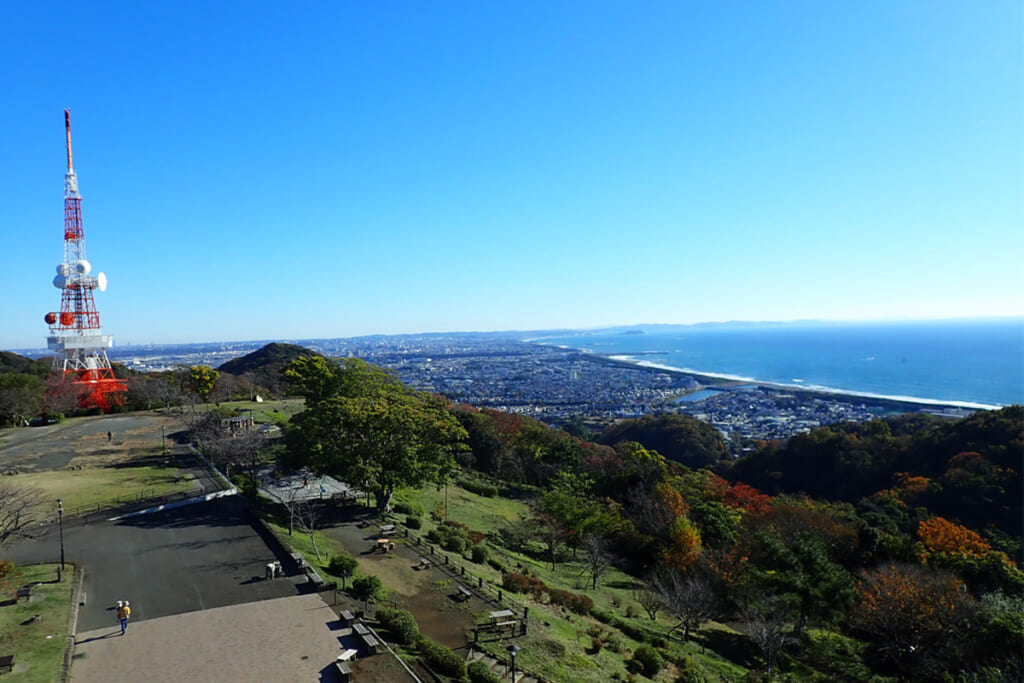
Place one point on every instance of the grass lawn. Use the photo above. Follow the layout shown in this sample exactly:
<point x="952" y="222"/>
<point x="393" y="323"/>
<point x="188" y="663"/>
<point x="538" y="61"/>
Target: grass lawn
<point x="38" y="646"/>
<point x="105" y="485"/>
<point x="277" y="411"/>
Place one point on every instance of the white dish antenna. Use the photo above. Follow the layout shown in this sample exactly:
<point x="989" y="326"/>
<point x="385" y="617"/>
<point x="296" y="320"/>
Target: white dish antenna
<point x="63" y="269"/>
<point x="60" y="281"/>
<point x="101" y="282"/>
<point x="83" y="267"/>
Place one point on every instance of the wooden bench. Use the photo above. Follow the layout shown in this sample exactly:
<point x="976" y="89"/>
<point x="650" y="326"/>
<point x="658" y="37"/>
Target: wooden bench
<point x="360" y="629"/>
<point x="7" y="662"/>
<point x="387" y="529"/>
<point x="464" y="593"/>
<point x="344" y="671"/>
<point x="23" y="593"/>
<point x="424" y="563"/>
<point x="299" y="560"/>
<point x="510" y="625"/>
<point x="347" y="655"/>
<point x="347" y="617"/>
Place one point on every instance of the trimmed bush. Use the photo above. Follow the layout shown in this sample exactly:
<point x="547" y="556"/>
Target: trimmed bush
<point x="401" y="624"/>
<point x="442" y="659"/>
<point x="408" y="509"/>
<point x="580" y="604"/>
<point x="479" y="673"/>
<point x="479" y="554"/>
<point x="646" y="660"/>
<point x="413" y="522"/>
<point x="689" y="671"/>
<point x="497" y="565"/>
<point x="479" y="488"/>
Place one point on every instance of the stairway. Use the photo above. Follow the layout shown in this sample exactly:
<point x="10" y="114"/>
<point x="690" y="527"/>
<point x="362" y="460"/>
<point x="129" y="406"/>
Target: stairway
<point x="498" y="668"/>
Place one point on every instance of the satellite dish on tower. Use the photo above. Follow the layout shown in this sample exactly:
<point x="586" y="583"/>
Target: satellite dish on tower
<point x="60" y="281"/>
<point x="83" y="267"/>
<point x="101" y="282"/>
<point x="63" y="269"/>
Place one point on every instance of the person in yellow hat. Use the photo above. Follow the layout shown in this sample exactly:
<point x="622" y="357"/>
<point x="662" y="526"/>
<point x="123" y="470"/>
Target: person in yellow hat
<point x="124" y="611"/>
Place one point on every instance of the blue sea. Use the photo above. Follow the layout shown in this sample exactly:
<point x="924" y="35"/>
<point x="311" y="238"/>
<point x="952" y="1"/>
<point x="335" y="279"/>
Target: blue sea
<point x="975" y="364"/>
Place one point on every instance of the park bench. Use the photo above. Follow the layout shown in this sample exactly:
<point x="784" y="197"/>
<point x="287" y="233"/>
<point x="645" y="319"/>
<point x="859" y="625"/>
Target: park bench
<point x="347" y="617"/>
<point x="464" y="593"/>
<point x="7" y="662"/>
<point x="360" y="629"/>
<point x="314" y="578"/>
<point x="347" y="655"/>
<point x="388" y="529"/>
<point x="502" y="625"/>
<point x="25" y="592"/>
<point x="371" y="643"/>
<point x="344" y="671"/>
<point x="424" y="563"/>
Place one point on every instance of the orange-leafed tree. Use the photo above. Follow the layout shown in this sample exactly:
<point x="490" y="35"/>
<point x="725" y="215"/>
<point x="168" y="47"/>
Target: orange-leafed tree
<point x="939" y="535"/>
<point x="914" y="617"/>
<point x="684" y="546"/>
<point x="744" y="496"/>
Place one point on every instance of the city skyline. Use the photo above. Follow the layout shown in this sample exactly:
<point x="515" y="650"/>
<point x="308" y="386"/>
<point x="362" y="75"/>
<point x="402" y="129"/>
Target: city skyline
<point x="333" y="171"/>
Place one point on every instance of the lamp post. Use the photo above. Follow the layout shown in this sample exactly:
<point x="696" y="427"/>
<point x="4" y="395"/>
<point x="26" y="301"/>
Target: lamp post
<point x="60" y="526"/>
<point x="512" y="650"/>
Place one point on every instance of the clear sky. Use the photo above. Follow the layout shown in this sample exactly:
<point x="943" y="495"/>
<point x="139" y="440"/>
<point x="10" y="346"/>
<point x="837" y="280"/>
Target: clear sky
<point x="260" y="170"/>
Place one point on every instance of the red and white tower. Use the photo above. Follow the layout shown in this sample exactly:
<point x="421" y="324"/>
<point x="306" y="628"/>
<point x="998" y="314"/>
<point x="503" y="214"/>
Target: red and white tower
<point x="81" y="375"/>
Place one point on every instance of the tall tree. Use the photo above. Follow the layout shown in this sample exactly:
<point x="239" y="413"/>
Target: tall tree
<point x="21" y="508"/>
<point x="373" y="432"/>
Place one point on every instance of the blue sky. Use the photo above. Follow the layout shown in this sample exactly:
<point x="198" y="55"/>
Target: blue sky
<point x="262" y="170"/>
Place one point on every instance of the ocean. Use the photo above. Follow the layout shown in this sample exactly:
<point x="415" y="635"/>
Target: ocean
<point x="973" y="364"/>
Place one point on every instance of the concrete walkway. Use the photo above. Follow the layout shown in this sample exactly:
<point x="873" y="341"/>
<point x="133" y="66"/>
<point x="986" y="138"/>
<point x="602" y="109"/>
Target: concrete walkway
<point x="282" y="640"/>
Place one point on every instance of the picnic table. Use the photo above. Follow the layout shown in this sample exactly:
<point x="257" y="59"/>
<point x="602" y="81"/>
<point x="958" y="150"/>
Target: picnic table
<point x="501" y="614"/>
<point x="464" y="593"/>
<point x="384" y="545"/>
<point x="424" y="563"/>
<point x="388" y="529"/>
<point x="25" y="592"/>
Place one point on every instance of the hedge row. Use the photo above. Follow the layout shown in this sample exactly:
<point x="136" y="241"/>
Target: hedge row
<point x="520" y="583"/>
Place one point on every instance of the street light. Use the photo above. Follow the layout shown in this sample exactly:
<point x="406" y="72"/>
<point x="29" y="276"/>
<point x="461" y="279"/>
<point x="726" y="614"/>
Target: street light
<point x="60" y="526"/>
<point x="512" y="650"/>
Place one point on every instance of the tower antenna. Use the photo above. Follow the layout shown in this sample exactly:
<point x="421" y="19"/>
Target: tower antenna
<point x="81" y="375"/>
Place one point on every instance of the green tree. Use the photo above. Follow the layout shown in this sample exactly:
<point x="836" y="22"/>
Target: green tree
<point x="376" y="436"/>
<point x="368" y="588"/>
<point x="802" y="573"/>
<point x="343" y="566"/>
<point x="21" y="397"/>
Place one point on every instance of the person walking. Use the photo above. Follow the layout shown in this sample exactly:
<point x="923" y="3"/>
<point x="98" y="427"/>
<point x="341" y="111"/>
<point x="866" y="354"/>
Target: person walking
<point x="124" y="611"/>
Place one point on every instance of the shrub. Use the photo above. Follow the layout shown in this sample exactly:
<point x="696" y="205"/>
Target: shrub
<point x="368" y="588"/>
<point x="442" y="659"/>
<point x="517" y="583"/>
<point x="434" y="536"/>
<point x="689" y="671"/>
<point x="646" y="660"/>
<point x="342" y="565"/>
<point x="580" y="604"/>
<point x="454" y="543"/>
<point x="408" y="509"/>
<point x="413" y="522"/>
<point x="479" y="488"/>
<point x="559" y="597"/>
<point x="497" y="565"/>
<point x="479" y="554"/>
<point x="479" y="673"/>
<point x="602" y="616"/>
<point x="401" y="623"/>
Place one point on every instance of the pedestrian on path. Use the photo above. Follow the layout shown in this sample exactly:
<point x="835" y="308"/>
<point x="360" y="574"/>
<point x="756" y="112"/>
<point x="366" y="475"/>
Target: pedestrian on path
<point x="124" y="611"/>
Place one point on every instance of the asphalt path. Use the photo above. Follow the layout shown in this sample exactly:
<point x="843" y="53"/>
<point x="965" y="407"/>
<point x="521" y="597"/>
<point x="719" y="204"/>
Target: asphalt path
<point x="190" y="558"/>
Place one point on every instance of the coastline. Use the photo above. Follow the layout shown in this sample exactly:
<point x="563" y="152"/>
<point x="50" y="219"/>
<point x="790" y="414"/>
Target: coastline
<point x="728" y="382"/>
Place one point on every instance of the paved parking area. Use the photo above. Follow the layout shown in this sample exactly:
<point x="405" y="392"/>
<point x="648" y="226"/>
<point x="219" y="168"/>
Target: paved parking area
<point x="191" y="558"/>
<point x="284" y="640"/>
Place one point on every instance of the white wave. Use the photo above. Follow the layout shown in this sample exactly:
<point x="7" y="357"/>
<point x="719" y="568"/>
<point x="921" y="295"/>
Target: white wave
<point x="797" y="379"/>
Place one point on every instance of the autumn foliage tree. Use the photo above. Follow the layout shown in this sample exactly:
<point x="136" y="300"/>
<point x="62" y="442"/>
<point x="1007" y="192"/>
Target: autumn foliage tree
<point x="939" y="535"/>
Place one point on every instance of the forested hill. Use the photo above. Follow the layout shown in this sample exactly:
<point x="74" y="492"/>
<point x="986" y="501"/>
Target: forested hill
<point x="263" y="366"/>
<point x="969" y="469"/>
<point x="12" y="362"/>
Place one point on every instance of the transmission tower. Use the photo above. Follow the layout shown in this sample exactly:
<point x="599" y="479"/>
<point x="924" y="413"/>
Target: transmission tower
<point x="81" y="375"/>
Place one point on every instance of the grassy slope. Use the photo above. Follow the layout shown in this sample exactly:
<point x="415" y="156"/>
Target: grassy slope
<point x="38" y="646"/>
<point x="558" y="647"/>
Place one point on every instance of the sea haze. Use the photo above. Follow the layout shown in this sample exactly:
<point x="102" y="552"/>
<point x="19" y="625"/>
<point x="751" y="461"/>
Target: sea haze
<point x="970" y="363"/>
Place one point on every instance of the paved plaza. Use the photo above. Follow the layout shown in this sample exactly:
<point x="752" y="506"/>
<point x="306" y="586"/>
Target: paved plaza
<point x="282" y="640"/>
